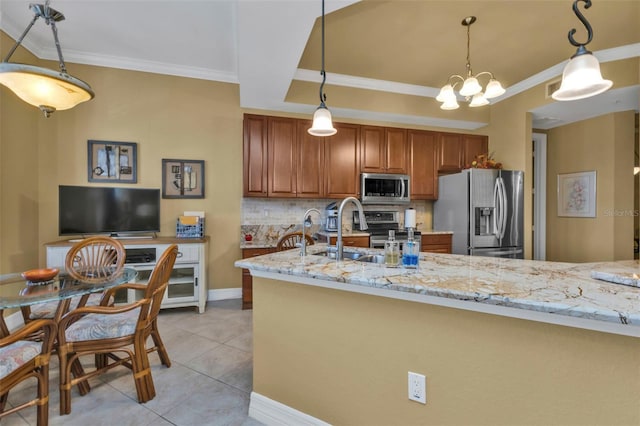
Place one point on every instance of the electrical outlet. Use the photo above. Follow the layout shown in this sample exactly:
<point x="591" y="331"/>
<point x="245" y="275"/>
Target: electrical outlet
<point x="417" y="387"/>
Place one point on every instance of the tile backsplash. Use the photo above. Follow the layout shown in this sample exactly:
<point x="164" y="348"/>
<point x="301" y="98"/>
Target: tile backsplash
<point x="268" y="219"/>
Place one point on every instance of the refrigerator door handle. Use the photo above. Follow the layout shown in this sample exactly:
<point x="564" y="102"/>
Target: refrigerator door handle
<point x="496" y="209"/>
<point x="504" y="209"/>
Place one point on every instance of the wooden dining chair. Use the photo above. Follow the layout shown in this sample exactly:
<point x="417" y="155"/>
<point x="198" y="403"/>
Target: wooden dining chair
<point x="109" y="332"/>
<point x="22" y="359"/>
<point x="291" y="240"/>
<point x="91" y="260"/>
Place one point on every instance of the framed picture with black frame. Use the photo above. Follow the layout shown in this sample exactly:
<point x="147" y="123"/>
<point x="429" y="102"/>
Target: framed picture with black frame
<point x="112" y="161"/>
<point x="182" y="178"/>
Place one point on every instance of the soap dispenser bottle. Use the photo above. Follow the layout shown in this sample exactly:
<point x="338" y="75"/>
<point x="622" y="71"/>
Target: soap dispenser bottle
<point x="391" y="250"/>
<point x="410" y="251"/>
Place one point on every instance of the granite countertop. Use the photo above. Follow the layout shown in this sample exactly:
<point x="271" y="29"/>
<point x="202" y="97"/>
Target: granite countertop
<point x="565" y="290"/>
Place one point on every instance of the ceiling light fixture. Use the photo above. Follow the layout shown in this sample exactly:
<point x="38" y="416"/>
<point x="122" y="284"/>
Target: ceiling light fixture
<point x="46" y="89"/>
<point x="322" y="125"/>
<point x="471" y="88"/>
<point x="581" y="77"/>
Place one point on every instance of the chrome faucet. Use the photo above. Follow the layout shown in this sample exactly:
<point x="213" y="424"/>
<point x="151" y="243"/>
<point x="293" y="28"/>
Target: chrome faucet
<point x="363" y="224"/>
<point x="306" y="220"/>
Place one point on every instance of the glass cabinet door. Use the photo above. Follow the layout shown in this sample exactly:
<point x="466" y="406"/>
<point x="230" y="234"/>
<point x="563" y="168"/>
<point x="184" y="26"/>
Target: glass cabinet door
<point x="182" y="283"/>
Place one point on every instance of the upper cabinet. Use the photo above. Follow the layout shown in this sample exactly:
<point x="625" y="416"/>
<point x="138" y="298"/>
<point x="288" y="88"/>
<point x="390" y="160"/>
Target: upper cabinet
<point x="457" y="151"/>
<point x="282" y="160"/>
<point x="342" y="162"/>
<point x="255" y="156"/>
<point x="383" y="150"/>
<point x="423" y="164"/>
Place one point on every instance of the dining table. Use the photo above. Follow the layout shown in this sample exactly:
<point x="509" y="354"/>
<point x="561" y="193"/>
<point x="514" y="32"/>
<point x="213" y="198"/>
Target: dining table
<point x="17" y="292"/>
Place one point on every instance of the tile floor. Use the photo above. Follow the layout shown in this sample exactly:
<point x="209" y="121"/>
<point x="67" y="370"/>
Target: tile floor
<point x="209" y="381"/>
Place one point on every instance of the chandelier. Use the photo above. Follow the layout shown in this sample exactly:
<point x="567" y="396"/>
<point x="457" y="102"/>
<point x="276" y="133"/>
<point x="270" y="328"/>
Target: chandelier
<point x="322" y="125"/>
<point x="581" y="77"/>
<point x="471" y="88"/>
<point x="46" y="89"/>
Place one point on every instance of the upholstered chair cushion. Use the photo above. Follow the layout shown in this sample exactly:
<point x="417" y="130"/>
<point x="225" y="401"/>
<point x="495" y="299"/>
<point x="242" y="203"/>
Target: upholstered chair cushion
<point x="103" y="326"/>
<point x="17" y="354"/>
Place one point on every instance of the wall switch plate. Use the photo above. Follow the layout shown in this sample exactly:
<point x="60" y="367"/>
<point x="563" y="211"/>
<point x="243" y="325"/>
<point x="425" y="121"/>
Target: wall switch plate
<point x="417" y="387"/>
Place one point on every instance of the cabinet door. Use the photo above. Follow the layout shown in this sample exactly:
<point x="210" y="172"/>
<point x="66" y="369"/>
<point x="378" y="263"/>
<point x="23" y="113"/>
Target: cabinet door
<point x="310" y="182"/>
<point x="372" y="149"/>
<point x="255" y="156"/>
<point x="450" y="152"/>
<point x="282" y="154"/>
<point x="396" y="150"/>
<point x="423" y="167"/>
<point x="474" y="145"/>
<point x="352" y="241"/>
<point x="342" y="162"/>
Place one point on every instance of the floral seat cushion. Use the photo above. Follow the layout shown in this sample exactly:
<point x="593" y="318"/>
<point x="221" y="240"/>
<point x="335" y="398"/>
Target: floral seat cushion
<point x="48" y="310"/>
<point x="17" y="354"/>
<point x="103" y="326"/>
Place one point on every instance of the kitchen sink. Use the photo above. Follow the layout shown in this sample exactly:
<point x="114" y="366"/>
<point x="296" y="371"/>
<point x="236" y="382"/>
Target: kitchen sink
<point x="354" y="255"/>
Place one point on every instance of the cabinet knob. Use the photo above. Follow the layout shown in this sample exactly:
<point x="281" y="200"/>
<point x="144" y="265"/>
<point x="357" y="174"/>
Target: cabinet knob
<point x="179" y="254"/>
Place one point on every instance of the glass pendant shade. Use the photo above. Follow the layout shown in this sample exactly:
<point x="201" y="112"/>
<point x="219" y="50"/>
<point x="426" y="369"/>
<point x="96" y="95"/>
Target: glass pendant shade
<point x="445" y="93"/>
<point x="581" y="78"/>
<point x="478" y="100"/>
<point x="322" y="124"/>
<point x="470" y="87"/>
<point x="494" y="89"/>
<point x="43" y="88"/>
<point x="450" y="104"/>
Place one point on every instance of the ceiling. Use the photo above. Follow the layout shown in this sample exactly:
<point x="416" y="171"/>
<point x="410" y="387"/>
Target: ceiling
<point x="385" y="60"/>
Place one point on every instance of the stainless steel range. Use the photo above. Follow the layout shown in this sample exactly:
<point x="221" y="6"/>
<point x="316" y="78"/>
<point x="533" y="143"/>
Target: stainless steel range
<point x="380" y="222"/>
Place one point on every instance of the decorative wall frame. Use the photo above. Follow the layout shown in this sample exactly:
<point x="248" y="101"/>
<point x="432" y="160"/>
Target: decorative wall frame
<point x="182" y="178"/>
<point x="112" y="161"/>
<point x="577" y="194"/>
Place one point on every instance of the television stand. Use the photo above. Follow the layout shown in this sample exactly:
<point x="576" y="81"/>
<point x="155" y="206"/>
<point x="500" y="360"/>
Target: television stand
<point x="188" y="281"/>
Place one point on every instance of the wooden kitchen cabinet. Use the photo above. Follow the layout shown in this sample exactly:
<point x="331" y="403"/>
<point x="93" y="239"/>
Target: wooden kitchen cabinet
<point x="282" y="157"/>
<point x="342" y="162"/>
<point x="423" y="164"/>
<point x="450" y="152"/>
<point x="352" y="241"/>
<point x="247" y="279"/>
<point x="255" y="156"/>
<point x="311" y="175"/>
<point x="436" y="243"/>
<point x="383" y="150"/>
<point x="472" y="146"/>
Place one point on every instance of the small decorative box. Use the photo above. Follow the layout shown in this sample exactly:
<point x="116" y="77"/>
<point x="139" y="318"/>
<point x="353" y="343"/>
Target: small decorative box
<point x="190" y="227"/>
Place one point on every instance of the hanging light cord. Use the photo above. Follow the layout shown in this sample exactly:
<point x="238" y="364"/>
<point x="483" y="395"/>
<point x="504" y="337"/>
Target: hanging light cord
<point x="581" y="46"/>
<point x="469" y="71"/>
<point x="323" y="96"/>
<point x="51" y="16"/>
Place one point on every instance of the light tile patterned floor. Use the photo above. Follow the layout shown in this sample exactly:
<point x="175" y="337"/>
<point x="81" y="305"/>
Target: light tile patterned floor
<point x="209" y="381"/>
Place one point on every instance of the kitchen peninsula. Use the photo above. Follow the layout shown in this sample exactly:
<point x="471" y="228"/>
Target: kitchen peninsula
<point x="500" y="341"/>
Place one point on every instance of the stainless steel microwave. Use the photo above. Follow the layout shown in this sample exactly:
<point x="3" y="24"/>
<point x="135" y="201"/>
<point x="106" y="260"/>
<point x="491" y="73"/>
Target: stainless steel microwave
<point x="384" y="188"/>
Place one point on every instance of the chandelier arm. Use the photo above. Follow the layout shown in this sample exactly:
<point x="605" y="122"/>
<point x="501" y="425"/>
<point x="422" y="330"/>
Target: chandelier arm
<point x="485" y="72"/>
<point x="455" y="76"/>
<point x="24" y="34"/>
<point x="585" y="22"/>
<point x="54" y="29"/>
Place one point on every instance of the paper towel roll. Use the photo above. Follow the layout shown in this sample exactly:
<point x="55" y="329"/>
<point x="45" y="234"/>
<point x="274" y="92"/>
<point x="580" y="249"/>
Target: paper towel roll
<point x="410" y="218"/>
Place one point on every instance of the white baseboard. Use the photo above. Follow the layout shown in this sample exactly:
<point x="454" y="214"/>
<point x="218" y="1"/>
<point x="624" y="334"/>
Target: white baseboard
<point x="273" y="413"/>
<point x="224" y="294"/>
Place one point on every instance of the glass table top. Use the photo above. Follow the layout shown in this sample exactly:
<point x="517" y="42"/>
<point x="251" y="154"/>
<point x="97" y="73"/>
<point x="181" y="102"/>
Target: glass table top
<point x="61" y="287"/>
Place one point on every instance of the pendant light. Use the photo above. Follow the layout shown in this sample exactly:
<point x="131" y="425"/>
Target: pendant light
<point x="46" y="89"/>
<point x="322" y="125"/>
<point x="581" y="77"/>
<point x="471" y="88"/>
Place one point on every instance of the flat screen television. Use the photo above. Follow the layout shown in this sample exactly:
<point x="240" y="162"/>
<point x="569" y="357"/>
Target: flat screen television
<point x="113" y="211"/>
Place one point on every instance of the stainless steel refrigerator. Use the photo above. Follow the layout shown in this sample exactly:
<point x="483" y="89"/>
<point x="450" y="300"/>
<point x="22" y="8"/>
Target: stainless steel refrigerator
<point x="485" y="210"/>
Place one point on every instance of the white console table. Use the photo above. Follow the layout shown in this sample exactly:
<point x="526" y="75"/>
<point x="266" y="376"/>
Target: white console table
<point x="188" y="282"/>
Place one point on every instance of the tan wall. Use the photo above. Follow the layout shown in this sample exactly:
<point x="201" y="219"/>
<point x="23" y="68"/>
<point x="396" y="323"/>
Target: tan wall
<point x="344" y="358"/>
<point x="603" y="144"/>
<point x="168" y="117"/>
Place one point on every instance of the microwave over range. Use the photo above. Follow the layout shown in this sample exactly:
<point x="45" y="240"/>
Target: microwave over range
<point x="384" y="188"/>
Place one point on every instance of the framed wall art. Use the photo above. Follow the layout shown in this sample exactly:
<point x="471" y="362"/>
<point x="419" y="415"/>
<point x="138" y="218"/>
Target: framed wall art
<point x="577" y="194"/>
<point x="182" y="178"/>
<point x="112" y="161"/>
